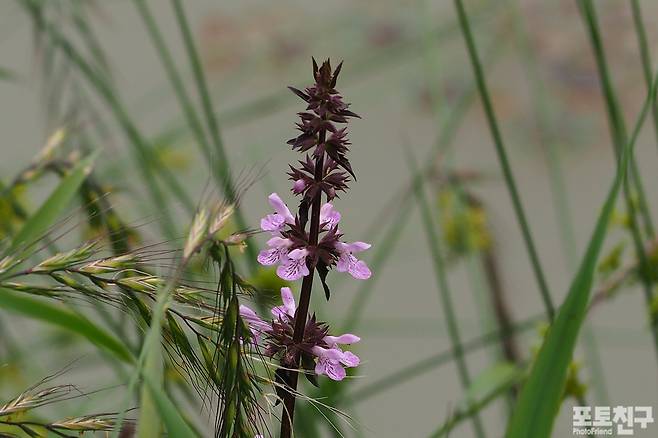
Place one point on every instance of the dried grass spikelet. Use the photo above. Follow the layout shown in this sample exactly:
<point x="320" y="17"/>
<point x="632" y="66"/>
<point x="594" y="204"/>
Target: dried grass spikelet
<point x="221" y="216"/>
<point x="110" y="265"/>
<point x="86" y="423"/>
<point x="34" y="398"/>
<point x="197" y="234"/>
<point x="66" y="259"/>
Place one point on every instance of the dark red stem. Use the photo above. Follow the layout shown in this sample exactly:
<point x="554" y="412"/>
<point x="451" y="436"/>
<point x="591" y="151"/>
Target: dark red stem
<point x="301" y="315"/>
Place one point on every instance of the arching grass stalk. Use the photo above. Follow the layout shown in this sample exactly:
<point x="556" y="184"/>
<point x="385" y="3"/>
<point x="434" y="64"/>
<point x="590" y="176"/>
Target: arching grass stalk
<point x="619" y="139"/>
<point x="442" y="280"/>
<point x="149" y="164"/>
<point x="543" y="391"/>
<point x="448" y="127"/>
<point x="216" y="159"/>
<point x="645" y="55"/>
<point x="614" y="112"/>
<point x="560" y="197"/>
<point x="504" y="162"/>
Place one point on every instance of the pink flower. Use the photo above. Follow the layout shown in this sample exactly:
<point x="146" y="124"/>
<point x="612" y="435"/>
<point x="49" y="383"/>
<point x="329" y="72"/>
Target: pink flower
<point x="287" y="310"/>
<point x="329" y="217"/>
<point x="278" y="251"/>
<point x="333" y="361"/>
<point x="275" y="222"/>
<point x="256" y="325"/>
<point x="293" y="267"/>
<point x="348" y="263"/>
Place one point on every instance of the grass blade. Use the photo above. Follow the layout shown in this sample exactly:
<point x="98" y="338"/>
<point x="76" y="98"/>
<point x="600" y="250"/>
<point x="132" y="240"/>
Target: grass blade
<point x="541" y="395"/>
<point x="442" y="280"/>
<point x="619" y="137"/>
<point x="53" y="207"/>
<point x="65" y="319"/>
<point x="491" y="384"/>
<point x="504" y="162"/>
<point x="170" y="415"/>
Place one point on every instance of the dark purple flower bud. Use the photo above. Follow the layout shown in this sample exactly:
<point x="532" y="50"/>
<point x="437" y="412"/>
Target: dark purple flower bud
<point x="299" y="186"/>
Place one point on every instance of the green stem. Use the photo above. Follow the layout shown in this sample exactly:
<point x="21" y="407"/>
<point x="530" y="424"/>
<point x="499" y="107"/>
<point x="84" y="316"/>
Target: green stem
<point x="504" y="162"/>
<point x="432" y="362"/>
<point x="645" y="55"/>
<point x="442" y="282"/>
<point x="448" y="128"/>
<point x="220" y="163"/>
<point x="144" y="156"/>
<point x="619" y="139"/>
<point x="563" y="212"/>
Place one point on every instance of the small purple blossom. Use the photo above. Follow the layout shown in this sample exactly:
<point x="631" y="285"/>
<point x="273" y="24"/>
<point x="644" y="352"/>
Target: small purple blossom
<point x="293" y="266"/>
<point x="299" y="186"/>
<point x="279" y="249"/>
<point x="348" y="263"/>
<point x="256" y="325"/>
<point x="275" y="222"/>
<point x="321" y="348"/>
<point x="329" y="217"/>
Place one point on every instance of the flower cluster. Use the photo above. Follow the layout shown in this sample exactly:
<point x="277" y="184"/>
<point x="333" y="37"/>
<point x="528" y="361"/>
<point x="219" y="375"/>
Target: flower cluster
<point x="320" y="352"/>
<point x="289" y="247"/>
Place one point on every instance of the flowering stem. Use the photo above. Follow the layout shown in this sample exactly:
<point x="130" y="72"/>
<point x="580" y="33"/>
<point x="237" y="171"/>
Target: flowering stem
<point x="304" y="300"/>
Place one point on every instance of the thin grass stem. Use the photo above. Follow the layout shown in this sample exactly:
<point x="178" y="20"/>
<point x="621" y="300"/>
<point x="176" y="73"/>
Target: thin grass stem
<point x="442" y="282"/>
<point x="504" y="161"/>
<point x="560" y="197"/>
<point x="645" y="55"/>
<point x="619" y="139"/>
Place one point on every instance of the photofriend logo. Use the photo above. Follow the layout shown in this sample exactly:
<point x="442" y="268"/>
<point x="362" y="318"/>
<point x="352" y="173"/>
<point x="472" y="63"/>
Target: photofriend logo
<point x="606" y="420"/>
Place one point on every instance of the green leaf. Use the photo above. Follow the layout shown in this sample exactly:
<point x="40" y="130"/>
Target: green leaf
<point x="490" y="380"/>
<point x="541" y="395"/>
<point x="53" y="207"/>
<point x="173" y="420"/>
<point x="55" y="315"/>
<point x="486" y="387"/>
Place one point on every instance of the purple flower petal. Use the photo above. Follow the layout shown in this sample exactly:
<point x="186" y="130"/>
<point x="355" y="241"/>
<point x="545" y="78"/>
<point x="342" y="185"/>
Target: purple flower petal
<point x="288" y="300"/>
<point x="293" y="268"/>
<point x="347" y="338"/>
<point x="298" y="254"/>
<point x="350" y="359"/>
<point x="278" y="251"/>
<point x="360" y="270"/>
<point x="288" y="309"/>
<point x="328" y="216"/>
<point x="272" y="223"/>
<point x="354" y="247"/>
<point x="281" y="208"/>
<point x="272" y="256"/>
<point x="334" y="371"/>
<point x="255" y="323"/>
<point x="357" y="268"/>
